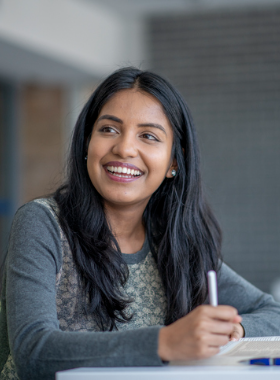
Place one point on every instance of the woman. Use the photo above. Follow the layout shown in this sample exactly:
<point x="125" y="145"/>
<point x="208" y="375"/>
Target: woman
<point x="111" y="270"/>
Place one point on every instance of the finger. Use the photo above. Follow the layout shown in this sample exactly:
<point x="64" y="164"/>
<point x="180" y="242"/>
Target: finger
<point x="221" y="327"/>
<point x="208" y="325"/>
<point x="237" y="319"/>
<point x="219" y="312"/>
<point x="234" y="337"/>
<point x="237" y="332"/>
<point x="222" y="312"/>
<point x="211" y="351"/>
<point x="208" y="347"/>
<point x="210" y="339"/>
<point x="218" y="340"/>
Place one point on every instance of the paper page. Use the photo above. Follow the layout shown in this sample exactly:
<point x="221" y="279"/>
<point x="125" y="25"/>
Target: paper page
<point x="234" y="352"/>
<point x="253" y="347"/>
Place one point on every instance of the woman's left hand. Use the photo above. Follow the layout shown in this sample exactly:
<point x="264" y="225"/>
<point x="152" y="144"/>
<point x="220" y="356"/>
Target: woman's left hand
<point x="237" y="332"/>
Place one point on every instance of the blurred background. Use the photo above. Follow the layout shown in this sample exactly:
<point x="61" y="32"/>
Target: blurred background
<point x="223" y="56"/>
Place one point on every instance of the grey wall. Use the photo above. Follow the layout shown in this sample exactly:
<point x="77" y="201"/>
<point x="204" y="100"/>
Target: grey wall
<point x="227" y="66"/>
<point x="9" y="160"/>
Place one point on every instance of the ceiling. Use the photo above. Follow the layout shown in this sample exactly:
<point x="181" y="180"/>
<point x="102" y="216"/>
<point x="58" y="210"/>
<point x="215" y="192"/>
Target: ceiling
<point x="19" y="63"/>
<point x="151" y="7"/>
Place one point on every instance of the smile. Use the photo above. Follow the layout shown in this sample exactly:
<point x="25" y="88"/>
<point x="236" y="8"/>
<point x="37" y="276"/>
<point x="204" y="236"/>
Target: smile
<point x="123" y="172"/>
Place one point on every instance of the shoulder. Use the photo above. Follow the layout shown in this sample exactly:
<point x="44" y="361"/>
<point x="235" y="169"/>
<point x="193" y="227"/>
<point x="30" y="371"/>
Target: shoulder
<point x="38" y="207"/>
<point x="35" y="226"/>
<point x="43" y="211"/>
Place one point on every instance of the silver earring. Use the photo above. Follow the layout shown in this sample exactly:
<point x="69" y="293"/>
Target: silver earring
<point x="173" y="172"/>
<point x="85" y="157"/>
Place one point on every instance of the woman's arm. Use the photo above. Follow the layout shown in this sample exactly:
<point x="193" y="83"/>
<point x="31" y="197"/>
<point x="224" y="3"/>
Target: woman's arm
<point x="260" y="313"/>
<point x="199" y="334"/>
<point x="39" y="348"/>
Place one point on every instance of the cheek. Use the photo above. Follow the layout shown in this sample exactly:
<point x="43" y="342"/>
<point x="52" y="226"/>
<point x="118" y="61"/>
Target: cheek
<point x="160" y="162"/>
<point x="95" y="151"/>
<point x="93" y="161"/>
<point x="161" y="157"/>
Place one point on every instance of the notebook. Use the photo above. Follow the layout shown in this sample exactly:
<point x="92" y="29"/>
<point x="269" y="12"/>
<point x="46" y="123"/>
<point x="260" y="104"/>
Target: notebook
<point x="234" y="352"/>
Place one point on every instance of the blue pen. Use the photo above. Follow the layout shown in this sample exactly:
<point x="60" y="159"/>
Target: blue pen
<point x="262" y="361"/>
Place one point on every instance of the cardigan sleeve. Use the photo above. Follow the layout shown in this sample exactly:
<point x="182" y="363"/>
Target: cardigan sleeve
<point x="260" y="312"/>
<point x="38" y="347"/>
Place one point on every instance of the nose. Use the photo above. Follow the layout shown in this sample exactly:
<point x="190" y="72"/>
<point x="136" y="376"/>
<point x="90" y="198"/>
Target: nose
<point x="125" y="146"/>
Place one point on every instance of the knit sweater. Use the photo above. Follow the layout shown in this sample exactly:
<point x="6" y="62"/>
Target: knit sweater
<point x="43" y="324"/>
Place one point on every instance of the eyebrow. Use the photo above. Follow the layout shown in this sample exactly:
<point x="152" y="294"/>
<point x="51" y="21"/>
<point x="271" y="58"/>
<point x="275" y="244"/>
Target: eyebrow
<point x="153" y="125"/>
<point x="109" y="117"/>
<point x="114" y="118"/>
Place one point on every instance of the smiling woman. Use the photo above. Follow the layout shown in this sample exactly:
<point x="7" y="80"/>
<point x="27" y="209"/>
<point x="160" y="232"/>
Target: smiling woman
<point x="132" y="134"/>
<point x="111" y="270"/>
<point x="129" y="156"/>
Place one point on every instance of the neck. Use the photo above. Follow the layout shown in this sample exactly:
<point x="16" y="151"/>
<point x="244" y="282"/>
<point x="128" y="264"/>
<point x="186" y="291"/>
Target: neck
<point x="127" y="226"/>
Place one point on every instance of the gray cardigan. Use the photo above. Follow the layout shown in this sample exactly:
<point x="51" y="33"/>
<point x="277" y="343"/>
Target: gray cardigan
<point x="43" y="327"/>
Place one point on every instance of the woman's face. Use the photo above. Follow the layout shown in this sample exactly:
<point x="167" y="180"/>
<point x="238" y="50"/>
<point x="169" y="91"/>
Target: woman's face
<point x="129" y="153"/>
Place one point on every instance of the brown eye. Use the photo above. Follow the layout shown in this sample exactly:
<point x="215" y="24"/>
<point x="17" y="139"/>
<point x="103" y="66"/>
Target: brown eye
<point x="108" y="129"/>
<point x="148" y="136"/>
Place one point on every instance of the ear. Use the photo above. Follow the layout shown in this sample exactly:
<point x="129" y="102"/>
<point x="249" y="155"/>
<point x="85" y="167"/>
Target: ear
<point x="173" y="166"/>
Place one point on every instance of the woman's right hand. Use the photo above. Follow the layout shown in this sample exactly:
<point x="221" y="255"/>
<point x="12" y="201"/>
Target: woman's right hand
<point x="199" y="334"/>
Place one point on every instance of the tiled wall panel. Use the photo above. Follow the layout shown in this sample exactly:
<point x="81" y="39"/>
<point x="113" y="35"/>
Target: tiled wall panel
<point x="227" y="66"/>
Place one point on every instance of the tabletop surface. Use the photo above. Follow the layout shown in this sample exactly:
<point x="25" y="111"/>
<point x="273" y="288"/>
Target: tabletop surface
<point x="173" y="373"/>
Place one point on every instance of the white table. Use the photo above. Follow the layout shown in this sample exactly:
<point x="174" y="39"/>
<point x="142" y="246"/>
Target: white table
<point x="173" y="373"/>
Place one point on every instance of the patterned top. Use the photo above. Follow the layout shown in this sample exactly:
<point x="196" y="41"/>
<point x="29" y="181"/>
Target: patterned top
<point x="144" y="286"/>
<point x="41" y="304"/>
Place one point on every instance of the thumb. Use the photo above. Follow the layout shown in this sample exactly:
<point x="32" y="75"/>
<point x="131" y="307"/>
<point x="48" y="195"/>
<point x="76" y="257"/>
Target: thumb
<point x="237" y="332"/>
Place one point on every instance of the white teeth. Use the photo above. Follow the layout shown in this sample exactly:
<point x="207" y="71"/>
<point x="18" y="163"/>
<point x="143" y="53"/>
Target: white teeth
<point x="124" y="170"/>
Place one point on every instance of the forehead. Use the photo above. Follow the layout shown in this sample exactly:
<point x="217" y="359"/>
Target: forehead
<point x="134" y="103"/>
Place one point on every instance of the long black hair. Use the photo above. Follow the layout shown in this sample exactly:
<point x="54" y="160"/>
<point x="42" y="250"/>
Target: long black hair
<point x="183" y="234"/>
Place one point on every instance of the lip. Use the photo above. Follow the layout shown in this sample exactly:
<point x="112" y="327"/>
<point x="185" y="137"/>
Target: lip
<point x="124" y="165"/>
